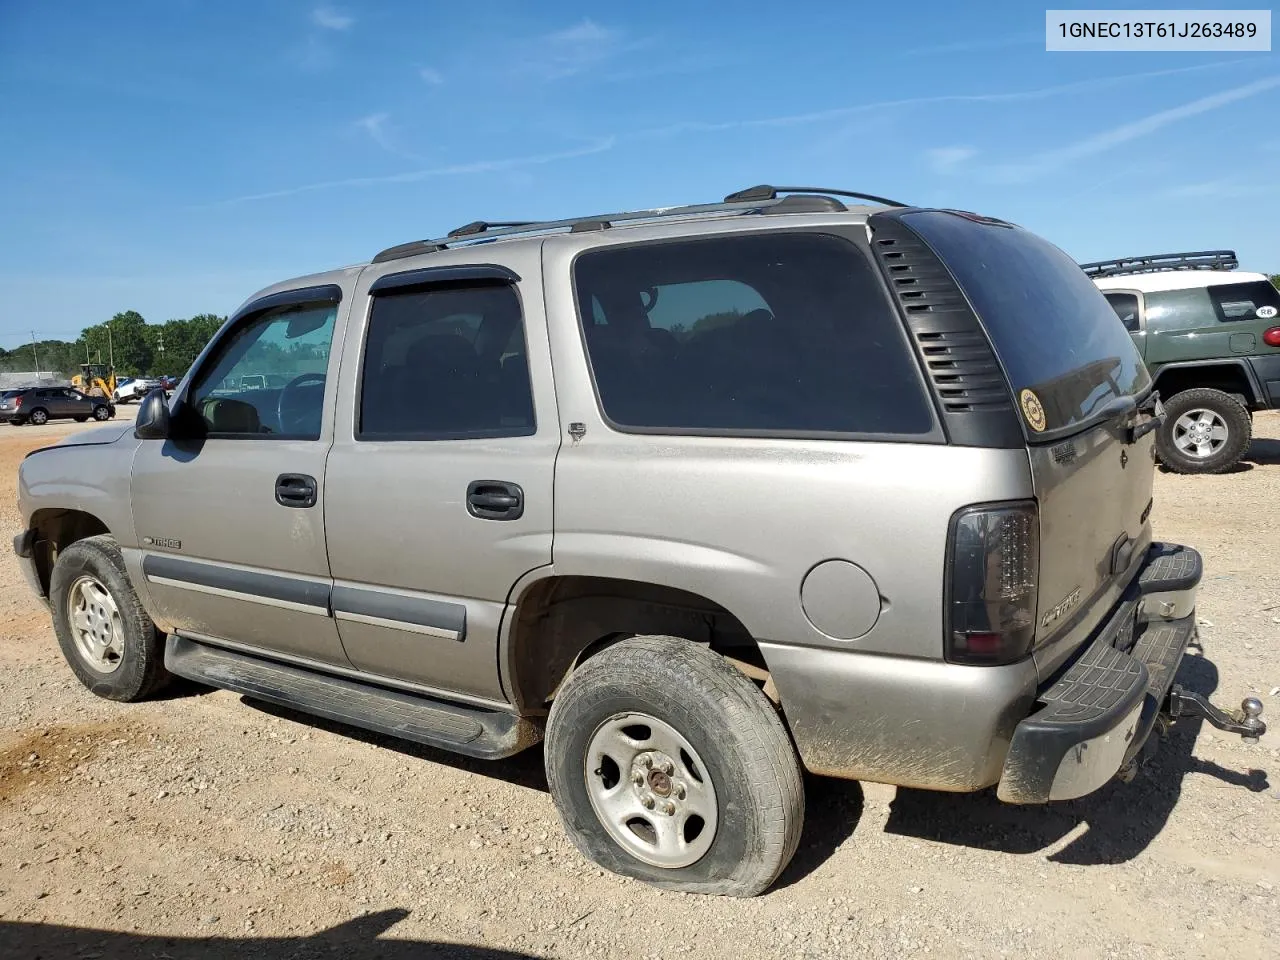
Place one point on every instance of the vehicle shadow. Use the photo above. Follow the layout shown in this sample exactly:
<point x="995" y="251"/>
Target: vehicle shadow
<point x="832" y="810"/>
<point x="1263" y="451"/>
<point x="1121" y="819"/>
<point x="358" y="939"/>
<point x="832" y="807"/>
<point x="525" y="769"/>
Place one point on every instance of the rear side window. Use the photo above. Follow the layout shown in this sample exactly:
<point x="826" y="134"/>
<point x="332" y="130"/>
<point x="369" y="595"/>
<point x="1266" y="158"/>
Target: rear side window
<point x="1051" y="327"/>
<point x="1254" y="300"/>
<point x="445" y="363"/>
<point x="1179" y="309"/>
<point x="786" y="332"/>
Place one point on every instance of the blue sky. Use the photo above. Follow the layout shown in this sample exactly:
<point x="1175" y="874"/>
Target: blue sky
<point x="172" y="157"/>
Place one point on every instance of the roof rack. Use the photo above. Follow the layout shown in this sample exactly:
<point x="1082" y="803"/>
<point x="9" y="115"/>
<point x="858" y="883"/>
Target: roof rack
<point x="766" y="192"/>
<point x="1162" y="262"/>
<point x="761" y="199"/>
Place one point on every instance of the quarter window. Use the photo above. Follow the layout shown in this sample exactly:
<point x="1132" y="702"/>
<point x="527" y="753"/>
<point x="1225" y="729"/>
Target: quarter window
<point x="1257" y="299"/>
<point x="786" y="332"/>
<point x="1178" y="309"/>
<point x="268" y="377"/>
<point x="445" y="363"/>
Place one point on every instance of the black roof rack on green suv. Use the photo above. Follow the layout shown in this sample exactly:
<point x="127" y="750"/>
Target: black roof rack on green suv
<point x="1160" y="262"/>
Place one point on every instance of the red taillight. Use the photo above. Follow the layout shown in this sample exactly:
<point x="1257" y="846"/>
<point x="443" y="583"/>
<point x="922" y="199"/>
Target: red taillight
<point x="993" y="574"/>
<point x="17" y="402"/>
<point x="1272" y="337"/>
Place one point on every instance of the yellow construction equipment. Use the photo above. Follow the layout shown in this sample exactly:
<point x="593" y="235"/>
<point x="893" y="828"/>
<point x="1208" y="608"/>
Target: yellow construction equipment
<point x="96" y="380"/>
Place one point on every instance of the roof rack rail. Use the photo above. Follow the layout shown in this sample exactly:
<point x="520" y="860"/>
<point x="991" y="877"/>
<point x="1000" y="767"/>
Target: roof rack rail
<point x="1162" y="262"/>
<point x="755" y="200"/>
<point x="767" y="192"/>
<point x="484" y="226"/>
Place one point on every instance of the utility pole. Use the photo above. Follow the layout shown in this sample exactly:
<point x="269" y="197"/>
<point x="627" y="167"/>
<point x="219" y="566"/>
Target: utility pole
<point x="35" y="353"/>
<point x="111" y="350"/>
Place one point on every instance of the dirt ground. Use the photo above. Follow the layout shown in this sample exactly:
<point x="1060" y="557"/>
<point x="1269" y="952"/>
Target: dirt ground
<point x="203" y="825"/>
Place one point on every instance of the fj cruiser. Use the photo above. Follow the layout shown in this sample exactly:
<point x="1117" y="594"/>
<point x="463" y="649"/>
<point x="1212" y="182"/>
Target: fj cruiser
<point x="703" y="496"/>
<point x="1211" y="340"/>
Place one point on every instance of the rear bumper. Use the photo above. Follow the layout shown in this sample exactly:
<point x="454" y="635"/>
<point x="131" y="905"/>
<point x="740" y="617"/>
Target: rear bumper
<point x="1099" y="713"/>
<point x="941" y="726"/>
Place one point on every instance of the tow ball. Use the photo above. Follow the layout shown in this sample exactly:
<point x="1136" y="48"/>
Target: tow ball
<point x="1247" y="721"/>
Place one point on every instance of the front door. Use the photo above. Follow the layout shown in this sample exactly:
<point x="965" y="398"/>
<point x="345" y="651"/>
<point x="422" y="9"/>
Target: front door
<point x="438" y="490"/>
<point x="228" y="513"/>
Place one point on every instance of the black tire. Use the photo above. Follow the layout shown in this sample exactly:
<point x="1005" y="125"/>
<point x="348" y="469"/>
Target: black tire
<point x="140" y="671"/>
<point x="1226" y="408"/>
<point x="101" y="413"/>
<point x="81" y="419"/>
<point x="39" y="416"/>
<point x="17" y="422"/>
<point x="731" y="725"/>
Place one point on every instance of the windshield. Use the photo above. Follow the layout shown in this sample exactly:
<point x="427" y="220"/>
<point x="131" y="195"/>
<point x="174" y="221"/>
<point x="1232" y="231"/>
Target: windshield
<point x="1053" y="330"/>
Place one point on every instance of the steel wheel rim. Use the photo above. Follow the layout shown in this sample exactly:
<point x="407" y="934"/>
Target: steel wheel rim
<point x="1200" y="433"/>
<point x="651" y="791"/>
<point x="39" y="417"/>
<point x="96" y="624"/>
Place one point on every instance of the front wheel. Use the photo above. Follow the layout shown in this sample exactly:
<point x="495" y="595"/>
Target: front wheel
<point x="1204" y="431"/>
<point x="101" y="413"/>
<point x="107" y="638"/>
<point x="668" y="765"/>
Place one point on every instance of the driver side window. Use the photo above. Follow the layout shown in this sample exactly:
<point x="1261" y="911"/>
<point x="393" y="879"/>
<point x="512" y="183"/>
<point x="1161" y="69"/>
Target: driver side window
<point x="267" y="379"/>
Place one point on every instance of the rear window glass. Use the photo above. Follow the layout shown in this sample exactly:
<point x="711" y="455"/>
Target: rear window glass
<point x="1126" y="307"/>
<point x="1253" y="300"/>
<point x="789" y="332"/>
<point x="1054" y="331"/>
<point x="1179" y="309"/>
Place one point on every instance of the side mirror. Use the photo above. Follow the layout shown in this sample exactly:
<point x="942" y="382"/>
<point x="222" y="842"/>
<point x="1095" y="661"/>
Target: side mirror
<point x="152" y="422"/>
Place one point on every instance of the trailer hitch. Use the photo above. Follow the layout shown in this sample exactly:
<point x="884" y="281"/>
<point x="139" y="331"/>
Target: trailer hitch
<point x="1247" y="722"/>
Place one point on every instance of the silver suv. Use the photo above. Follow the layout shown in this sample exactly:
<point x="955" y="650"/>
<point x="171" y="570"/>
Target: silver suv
<point x="703" y="496"/>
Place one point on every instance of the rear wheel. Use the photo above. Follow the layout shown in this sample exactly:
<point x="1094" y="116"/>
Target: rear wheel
<point x="668" y="765"/>
<point x="1204" y="431"/>
<point x="107" y="638"/>
<point x="39" y="416"/>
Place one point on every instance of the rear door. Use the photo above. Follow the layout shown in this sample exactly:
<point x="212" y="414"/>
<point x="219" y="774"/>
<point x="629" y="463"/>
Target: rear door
<point x="439" y="484"/>
<point x="1074" y="372"/>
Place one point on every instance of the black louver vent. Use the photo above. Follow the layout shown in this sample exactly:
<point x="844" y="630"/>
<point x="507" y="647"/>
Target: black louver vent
<point x="955" y="351"/>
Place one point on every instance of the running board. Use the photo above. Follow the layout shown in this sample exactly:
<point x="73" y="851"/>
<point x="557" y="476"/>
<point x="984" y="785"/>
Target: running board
<point x="488" y="734"/>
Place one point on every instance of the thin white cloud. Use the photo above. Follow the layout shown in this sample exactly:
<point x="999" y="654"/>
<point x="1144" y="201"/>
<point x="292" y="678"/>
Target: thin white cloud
<point x="414" y="176"/>
<point x="586" y="31"/>
<point x="571" y="51"/>
<point x="1220" y="189"/>
<point x="1052" y="160"/>
<point x="836" y="113"/>
<point x="375" y="125"/>
<point x="946" y="159"/>
<point x="330" y="18"/>
<point x="972" y="46"/>
<point x="431" y="75"/>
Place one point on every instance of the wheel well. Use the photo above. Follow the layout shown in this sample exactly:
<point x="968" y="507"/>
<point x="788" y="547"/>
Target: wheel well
<point x="55" y="531"/>
<point x="562" y="621"/>
<point x="1227" y="377"/>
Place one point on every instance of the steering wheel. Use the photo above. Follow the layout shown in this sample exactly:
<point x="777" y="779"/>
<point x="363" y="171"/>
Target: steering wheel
<point x="293" y="417"/>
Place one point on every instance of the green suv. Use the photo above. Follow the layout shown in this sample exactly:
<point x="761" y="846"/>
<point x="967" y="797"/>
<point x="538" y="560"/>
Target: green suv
<point x="1210" y="337"/>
